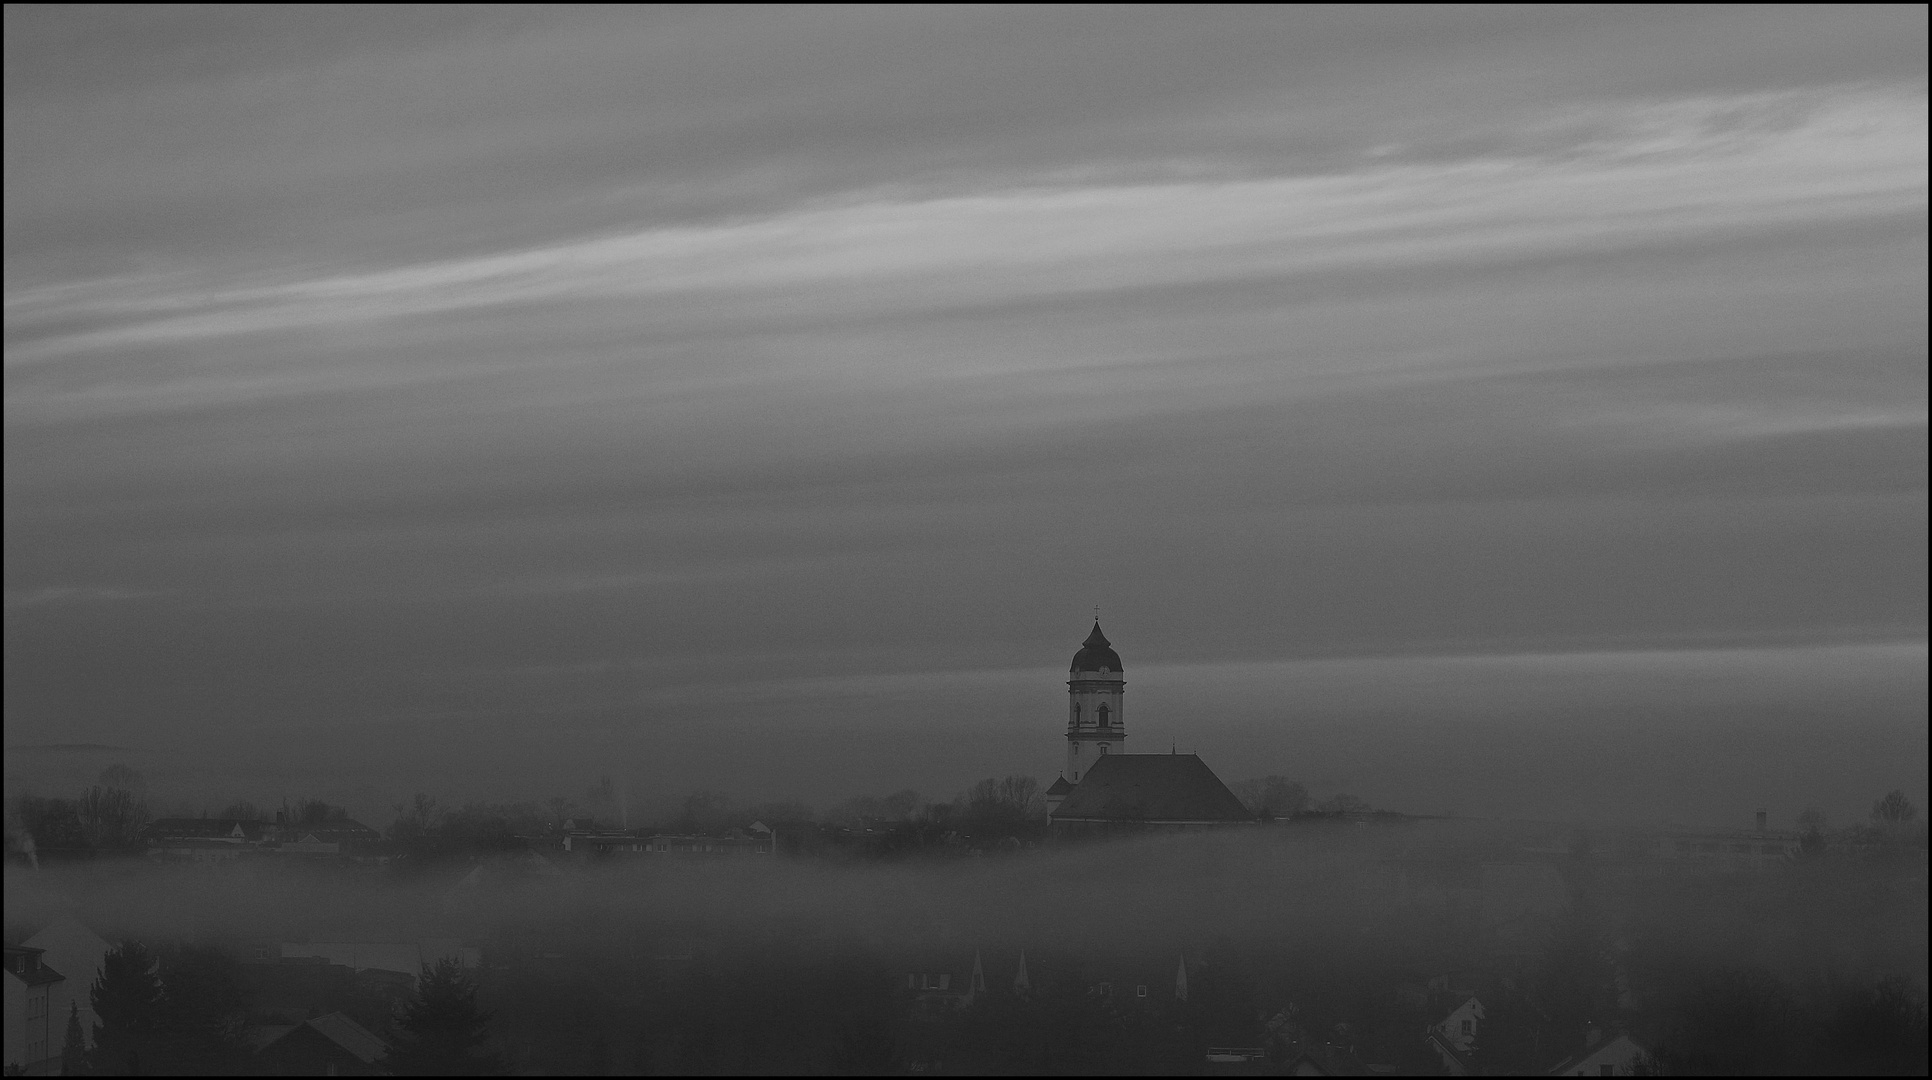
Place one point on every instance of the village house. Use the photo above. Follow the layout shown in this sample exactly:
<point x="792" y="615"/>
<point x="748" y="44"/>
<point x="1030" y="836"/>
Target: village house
<point x="33" y="1032"/>
<point x="70" y="948"/>
<point x="1455" y="1036"/>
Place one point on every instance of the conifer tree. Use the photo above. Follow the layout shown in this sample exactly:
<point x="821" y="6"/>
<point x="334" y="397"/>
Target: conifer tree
<point x="73" y="1048"/>
<point x="127" y="999"/>
<point x="444" y="1029"/>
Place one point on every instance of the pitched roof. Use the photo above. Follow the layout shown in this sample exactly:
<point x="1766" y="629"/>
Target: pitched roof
<point x="25" y="964"/>
<point x="1151" y="788"/>
<point x="350" y="1036"/>
<point x="1060" y="787"/>
<point x="1603" y="1052"/>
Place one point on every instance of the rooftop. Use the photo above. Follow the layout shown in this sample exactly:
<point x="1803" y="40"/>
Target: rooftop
<point x="1155" y="788"/>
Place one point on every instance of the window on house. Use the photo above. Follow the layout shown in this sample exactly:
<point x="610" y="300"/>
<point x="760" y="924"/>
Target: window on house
<point x="1103" y="748"/>
<point x="1468" y="1027"/>
<point x="1140" y="991"/>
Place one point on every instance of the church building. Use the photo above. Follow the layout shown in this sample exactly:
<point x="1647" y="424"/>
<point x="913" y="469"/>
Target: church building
<point x="1103" y="785"/>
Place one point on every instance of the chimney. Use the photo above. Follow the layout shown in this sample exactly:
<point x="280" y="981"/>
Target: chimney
<point x="1760" y="821"/>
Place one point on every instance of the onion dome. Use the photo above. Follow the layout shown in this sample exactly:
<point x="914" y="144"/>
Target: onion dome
<point x="1096" y="653"/>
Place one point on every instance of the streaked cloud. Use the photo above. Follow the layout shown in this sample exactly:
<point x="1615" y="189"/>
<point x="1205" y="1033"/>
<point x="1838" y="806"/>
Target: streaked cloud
<point x="1646" y="176"/>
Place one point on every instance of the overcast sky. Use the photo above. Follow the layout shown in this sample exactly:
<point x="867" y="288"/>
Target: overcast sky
<point x="762" y="399"/>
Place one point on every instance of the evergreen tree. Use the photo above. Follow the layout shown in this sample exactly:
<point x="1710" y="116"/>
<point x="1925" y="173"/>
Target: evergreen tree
<point x="443" y="1028"/>
<point x="201" y="1011"/>
<point x="127" y="999"/>
<point x="73" y="1048"/>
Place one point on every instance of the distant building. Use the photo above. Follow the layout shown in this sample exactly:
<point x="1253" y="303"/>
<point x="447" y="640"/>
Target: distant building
<point x="33" y="1034"/>
<point x="330" y="1045"/>
<point x="403" y="957"/>
<point x="203" y="840"/>
<point x="341" y="836"/>
<point x="1721" y="850"/>
<point x="1102" y="785"/>
<point x="939" y="982"/>
<point x="206" y="840"/>
<point x="76" y="952"/>
<point x="620" y="843"/>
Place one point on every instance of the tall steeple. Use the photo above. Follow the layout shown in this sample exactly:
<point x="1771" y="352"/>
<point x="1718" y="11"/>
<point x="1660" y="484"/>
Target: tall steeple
<point x="1096" y="720"/>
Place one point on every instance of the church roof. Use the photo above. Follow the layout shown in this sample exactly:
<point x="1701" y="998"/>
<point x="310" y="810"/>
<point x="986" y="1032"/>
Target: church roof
<point x="1151" y="788"/>
<point x="1096" y="653"/>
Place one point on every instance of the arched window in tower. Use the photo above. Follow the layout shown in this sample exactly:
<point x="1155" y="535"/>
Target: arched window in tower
<point x="1076" y="712"/>
<point x="1103" y="716"/>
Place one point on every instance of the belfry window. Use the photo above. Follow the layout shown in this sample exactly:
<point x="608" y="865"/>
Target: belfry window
<point x="1103" y="716"/>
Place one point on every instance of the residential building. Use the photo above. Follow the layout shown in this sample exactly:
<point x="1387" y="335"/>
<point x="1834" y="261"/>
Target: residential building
<point x="70" y="948"/>
<point x="1455" y="1036"/>
<point x="33" y="1033"/>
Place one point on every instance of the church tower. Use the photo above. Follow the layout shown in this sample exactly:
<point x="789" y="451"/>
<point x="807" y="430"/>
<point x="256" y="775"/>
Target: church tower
<point x="1096" y="724"/>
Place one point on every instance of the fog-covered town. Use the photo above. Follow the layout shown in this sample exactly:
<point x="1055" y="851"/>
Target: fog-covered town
<point x="966" y="540"/>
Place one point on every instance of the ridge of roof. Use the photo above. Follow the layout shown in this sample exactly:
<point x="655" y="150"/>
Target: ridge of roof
<point x="1151" y="788"/>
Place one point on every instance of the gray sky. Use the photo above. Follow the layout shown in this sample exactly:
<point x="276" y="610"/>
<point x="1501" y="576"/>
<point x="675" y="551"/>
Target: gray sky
<point x="761" y="399"/>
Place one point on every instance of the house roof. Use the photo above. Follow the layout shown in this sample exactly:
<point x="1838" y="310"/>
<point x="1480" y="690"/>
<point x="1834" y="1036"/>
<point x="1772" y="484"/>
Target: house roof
<point x="336" y="830"/>
<point x="1603" y="1048"/>
<point x="1151" y="788"/>
<point x="350" y="1036"/>
<point x="1096" y="653"/>
<point x="1060" y="787"/>
<point x="26" y="965"/>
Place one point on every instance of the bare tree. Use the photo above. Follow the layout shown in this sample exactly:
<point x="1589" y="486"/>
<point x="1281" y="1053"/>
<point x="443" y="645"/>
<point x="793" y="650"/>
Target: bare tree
<point x="111" y="817"/>
<point x="1894" y="809"/>
<point x="121" y="776"/>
